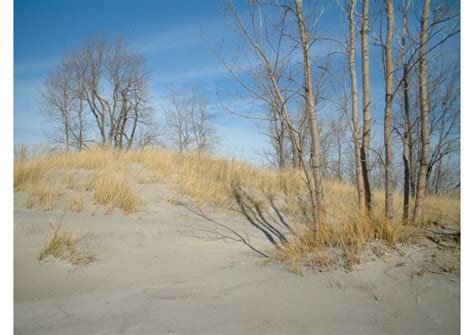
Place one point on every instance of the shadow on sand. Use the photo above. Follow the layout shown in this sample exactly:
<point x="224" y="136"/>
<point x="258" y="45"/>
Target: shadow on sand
<point x="270" y="222"/>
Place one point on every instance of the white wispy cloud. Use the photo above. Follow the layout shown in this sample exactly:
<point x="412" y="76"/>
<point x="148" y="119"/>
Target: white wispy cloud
<point x="190" y="75"/>
<point x="183" y="37"/>
<point x="35" y="66"/>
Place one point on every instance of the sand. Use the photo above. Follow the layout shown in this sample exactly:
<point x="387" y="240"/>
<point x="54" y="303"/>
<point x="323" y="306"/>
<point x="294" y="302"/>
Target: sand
<point x="170" y="271"/>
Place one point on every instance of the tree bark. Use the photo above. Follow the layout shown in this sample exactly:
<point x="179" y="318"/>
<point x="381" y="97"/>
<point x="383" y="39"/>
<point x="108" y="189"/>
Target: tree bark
<point x="81" y="124"/>
<point x="407" y="136"/>
<point x="425" y="117"/>
<point x="388" y="112"/>
<point x="366" y="106"/>
<point x="355" y="106"/>
<point x="311" y="113"/>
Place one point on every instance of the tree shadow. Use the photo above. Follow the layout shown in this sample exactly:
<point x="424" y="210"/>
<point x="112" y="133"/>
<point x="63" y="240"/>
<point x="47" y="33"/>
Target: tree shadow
<point x="274" y="229"/>
<point x="227" y="233"/>
<point x="270" y="222"/>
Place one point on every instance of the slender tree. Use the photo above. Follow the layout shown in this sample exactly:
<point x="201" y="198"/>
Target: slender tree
<point x="311" y="114"/>
<point x="59" y="102"/>
<point x="188" y="123"/>
<point x="355" y="104"/>
<point x="407" y="128"/>
<point x="425" y="117"/>
<point x="366" y="128"/>
<point x="389" y="183"/>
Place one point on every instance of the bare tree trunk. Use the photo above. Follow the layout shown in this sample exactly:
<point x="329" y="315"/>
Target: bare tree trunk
<point x="355" y="106"/>
<point x="407" y="137"/>
<point x="413" y="161"/>
<point x="366" y="106"/>
<point x="388" y="113"/>
<point x="81" y="124"/>
<point x="66" y="136"/>
<point x="310" y="111"/>
<point x="425" y="117"/>
<point x="122" y="122"/>
<point x="438" y="176"/>
<point x="281" y="145"/>
<point x="134" y="129"/>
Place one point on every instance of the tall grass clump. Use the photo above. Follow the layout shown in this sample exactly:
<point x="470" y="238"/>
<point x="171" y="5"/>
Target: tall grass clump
<point x="75" y="204"/>
<point x="342" y="244"/>
<point x="42" y="196"/>
<point x="112" y="189"/>
<point x="28" y="172"/>
<point x="64" y="245"/>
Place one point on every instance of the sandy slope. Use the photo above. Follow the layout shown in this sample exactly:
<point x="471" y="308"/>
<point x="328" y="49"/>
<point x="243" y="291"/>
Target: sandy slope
<point x="168" y="272"/>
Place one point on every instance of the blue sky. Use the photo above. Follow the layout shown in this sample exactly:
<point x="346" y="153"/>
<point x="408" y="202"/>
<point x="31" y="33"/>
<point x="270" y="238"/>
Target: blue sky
<point x="166" y="32"/>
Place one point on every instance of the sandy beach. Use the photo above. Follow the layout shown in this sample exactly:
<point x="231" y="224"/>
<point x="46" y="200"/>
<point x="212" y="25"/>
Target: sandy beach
<point x="171" y="271"/>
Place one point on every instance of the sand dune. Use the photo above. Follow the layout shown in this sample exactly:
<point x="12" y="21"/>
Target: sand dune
<point x="169" y="271"/>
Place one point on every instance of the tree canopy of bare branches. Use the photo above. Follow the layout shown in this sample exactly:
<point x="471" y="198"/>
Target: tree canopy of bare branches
<point x="99" y="94"/>
<point x="188" y="122"/>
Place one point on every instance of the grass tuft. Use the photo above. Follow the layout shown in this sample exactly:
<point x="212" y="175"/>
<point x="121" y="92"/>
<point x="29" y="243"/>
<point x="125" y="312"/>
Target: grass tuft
<point x="112" y="189"/>
<point x="42" y="196"/>
<point x="341" y="244"/>
<point x="63" y="245"/>
<point x="75" y="204"/>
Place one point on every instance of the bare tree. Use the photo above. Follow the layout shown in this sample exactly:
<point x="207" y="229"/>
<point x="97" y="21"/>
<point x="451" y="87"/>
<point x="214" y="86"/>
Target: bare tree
<point x="310" y="111"/>
<point x="440" y="30"/>
<point x="60" y="106"/>
<point x="204" y="134"/>
<point x="389" y="183"/>
<point x="407" y="128"/>
<point x="355" y="103"/>
<point x="425" y="117"/>
<point x="444" y="123"/>
<point x="188" y="122"/>
<point x="280" y="154"/>
<point x="338" y="132"/>
<point x="366" y="128"/>
<point x="271" y="78"/>
<point x="105" y="83"/>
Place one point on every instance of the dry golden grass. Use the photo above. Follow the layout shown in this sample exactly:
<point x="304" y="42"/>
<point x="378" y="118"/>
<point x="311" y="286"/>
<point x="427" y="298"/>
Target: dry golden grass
<point x="112" y="189"/>
<point x="75" y="204"/>
<point x="42" y="196"/>
<point x="63" y="244"/>
<point x="109" y="182"/>
<point x="344" y="242"/>
<point x="202" y="177"/>
<point x="146" y="179"/>
<point x="70" y="181"/>
<point x="442" y="210"/>
<point x="27" y="172"/>
<point x="207" y="179"/>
